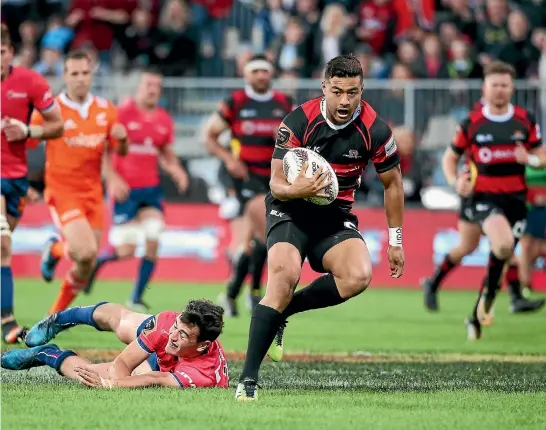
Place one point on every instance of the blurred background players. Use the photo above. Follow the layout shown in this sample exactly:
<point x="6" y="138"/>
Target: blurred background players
<point x="73" y="176"/>
<point x="252" y="115"/>
<point x="494" y="189"/>
<point x="22" y="91"/>
<point x="134" y="183"/>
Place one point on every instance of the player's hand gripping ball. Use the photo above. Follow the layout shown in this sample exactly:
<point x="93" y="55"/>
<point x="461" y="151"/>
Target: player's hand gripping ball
<point x="292" y="164"/>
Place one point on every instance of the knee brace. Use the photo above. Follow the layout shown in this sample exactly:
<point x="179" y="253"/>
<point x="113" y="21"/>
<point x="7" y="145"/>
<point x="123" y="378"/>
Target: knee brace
<point x="152" y="228"/>
<point x="124" y="234"/>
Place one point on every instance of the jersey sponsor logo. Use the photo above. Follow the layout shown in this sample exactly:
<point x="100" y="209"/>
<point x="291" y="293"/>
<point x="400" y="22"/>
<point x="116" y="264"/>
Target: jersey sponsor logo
<point x="145" y="148"/>
<point x="279" y="113"/>
<point x="283" y="136"/>
<point x="15" y="95"/>
<point x="353" y="153"/>
<point x="248" y="113"/>
<point x="480" y="207"/>
<point x="86" y="140"/>
<point x="251" y="127"/>
<point x="101" y="119"/>
<point x="277" y="213"/>
<point x="390" y="147"/>
<point x="69" y="124"/>
<point x="486" y="155"/>
<point x="518" y="136"/>
<point x="134" y="126"/>
<point x="481" y="138"/>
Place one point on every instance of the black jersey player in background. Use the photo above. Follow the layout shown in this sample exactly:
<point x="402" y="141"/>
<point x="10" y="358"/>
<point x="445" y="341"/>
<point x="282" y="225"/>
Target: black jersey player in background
<point x="470" y="230"/>
<point x="252" y="115"/>
<point x="348" y="133"/>
<point x="494" y="190"/>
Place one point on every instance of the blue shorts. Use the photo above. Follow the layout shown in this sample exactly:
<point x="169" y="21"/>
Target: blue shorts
<point x="139" y="198"/>
<point x="152" y="359"/>
<point x="15" y="192"/>
<point x="536" y="222"/>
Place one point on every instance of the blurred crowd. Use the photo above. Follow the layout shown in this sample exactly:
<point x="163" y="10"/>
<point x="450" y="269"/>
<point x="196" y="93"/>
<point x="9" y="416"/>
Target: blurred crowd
<point x="401" y="39"/>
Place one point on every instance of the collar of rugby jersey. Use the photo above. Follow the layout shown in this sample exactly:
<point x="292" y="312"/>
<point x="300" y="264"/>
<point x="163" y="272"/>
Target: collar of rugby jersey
<point x="486" y="111"/>
<point x="81" y="108"/>
<point x="330" y="123"/>
<point x="265" y="97"/>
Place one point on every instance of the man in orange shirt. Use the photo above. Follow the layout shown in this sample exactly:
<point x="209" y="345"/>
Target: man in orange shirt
<point x="73" y="176"/>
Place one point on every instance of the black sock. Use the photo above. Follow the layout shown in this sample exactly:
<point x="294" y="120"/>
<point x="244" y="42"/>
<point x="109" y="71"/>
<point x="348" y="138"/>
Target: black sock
<point x="483" y="287"/>
<point x="441" y="271"/>
<point x="257" y="262"/>
<point x="514" y="286"/>
<point x="322" y="293"/>
<point x="263" y="326"/>
<point x="240" y="270"/>
<point x="494" y="273"/>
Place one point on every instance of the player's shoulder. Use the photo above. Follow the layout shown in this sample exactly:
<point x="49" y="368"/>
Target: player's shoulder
<point x="103" y="103"/>
<point x="24" y="73"/>
<point x="310" y="109"/>
<point x="127" y="104"/>
<point x="237" y="96"/>
<point x="524" y="114"/>
<point x="373" y="121"/>
<point x="282" y="97"/>
<point x="162" y="115"/>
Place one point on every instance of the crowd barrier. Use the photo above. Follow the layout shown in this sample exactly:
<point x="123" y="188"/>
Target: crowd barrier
<point x="194" y="242"/>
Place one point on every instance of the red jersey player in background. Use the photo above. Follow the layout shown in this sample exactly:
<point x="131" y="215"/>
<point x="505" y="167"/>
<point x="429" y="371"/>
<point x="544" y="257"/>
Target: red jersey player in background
<point x="170" y="349"/>
<point x="135" y="189"/>
<point x="22" y="91"/>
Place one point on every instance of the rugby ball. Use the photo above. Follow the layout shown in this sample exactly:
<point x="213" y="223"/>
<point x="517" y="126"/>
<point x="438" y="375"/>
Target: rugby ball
<point x="294" y="160"/>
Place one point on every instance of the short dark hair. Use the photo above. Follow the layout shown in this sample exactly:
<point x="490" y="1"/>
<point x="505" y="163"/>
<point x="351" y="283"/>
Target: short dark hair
<point x="5" y="36"/>
<point x="499" y="68"/>
<point x="343" y="66"/>
<point x="206" y="316"/>
<point x="152" y="70"/>
<point x="77" y="55"/>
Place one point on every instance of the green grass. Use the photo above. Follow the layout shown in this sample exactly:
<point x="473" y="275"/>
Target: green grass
<point x="312" y="395"/>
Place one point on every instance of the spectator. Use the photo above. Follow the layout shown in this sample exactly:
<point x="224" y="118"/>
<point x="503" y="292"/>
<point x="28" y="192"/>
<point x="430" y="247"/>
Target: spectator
<point x="448" y="33"/>
<point x="26" y="57"/>
<point x="519" y="51"/>
<point x="408" y="55"/>
<point x="391" y="106"/>
<point x="332" y="39"/>
<point x="291" y="50"/>
<point x="29" y="33"/>
<point x="309" y="14"/>
<point x="175" y="51"/>
<point x="138" y="39"/>
<point x="57" y="35"/>
<point x="14" y="13"/>
<point x="432" y="56"/>
<point x="463" y="17"/>
<point x="94" y="21"/>
<point x="364" y="53"/>
<point x="461" y="65"/>
<point x="50" y="63"/>
<point x="493" y="33"/>
<point x="376" y="25"/>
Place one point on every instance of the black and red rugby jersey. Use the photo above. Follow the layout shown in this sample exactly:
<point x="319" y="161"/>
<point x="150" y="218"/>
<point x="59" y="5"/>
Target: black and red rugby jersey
<point x="254" y="124"/>
<point x="348" y="148"/>
<point x="489" y="142"/>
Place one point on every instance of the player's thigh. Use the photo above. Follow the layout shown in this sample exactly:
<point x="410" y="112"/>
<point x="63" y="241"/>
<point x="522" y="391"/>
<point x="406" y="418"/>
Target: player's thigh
<point x="536" y="223"/>
<point x="81" y="239"/>
<point x="469" y="235"/>
<point x="346" y="256"/>
<point x="256" y="213"/>
<point x="131" y="325"/>
<point x="286" y="244"/>
<point x="13" y="200"/>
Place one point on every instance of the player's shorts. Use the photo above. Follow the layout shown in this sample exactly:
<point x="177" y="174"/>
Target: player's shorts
<point x="139" y="198"/>
<point x="312" y="229"/>
<point x="152" y="359"/>
<point x="67" y="207"/>
<point x="247" y="190"/>
<point x="14" y="192"/>
<point x="536" y="222"/>
<point x="477" y="209"/>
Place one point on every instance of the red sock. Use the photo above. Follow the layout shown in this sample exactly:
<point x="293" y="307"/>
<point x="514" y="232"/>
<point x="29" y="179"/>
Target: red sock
<point x="57" y="249"/>
<point x="69" y="290"/>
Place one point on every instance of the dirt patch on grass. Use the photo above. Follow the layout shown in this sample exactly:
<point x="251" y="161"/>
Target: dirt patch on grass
<point x="110" y="354"/>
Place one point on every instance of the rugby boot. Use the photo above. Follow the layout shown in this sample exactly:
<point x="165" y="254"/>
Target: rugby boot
<point x="247" y="391"/>
<point x="45" y="330"/>
<point x="14" y="334"/>
<point x="473" y="329"/>
<point x="229" y="305"/>
<point x="140" y="306"/>
<point x="21" y="359"/>
<point x="429" y="295"/>
<point x="522" y="305"/>
<point x="48" y="262"/>
<point x="276" y="349"/>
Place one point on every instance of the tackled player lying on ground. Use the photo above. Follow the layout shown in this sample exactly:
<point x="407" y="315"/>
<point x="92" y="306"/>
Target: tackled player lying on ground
<point x="171" y="349"/>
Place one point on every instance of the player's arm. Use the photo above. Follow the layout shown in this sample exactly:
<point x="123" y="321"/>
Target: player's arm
<point x="219" y="122"/>
<point x="117" y="133"/>
<point x="130" y="358"/>
<point x="171" y="164"/>
<point x="532" y="153"/>
<point x="454" y="152"/>
<point x="92" y="379"/>
<point x="386" y="160"/>
<point x="42" y="100"/>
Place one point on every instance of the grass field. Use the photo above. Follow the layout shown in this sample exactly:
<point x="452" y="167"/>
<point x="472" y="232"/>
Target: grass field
<point x="379" y="361"/>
